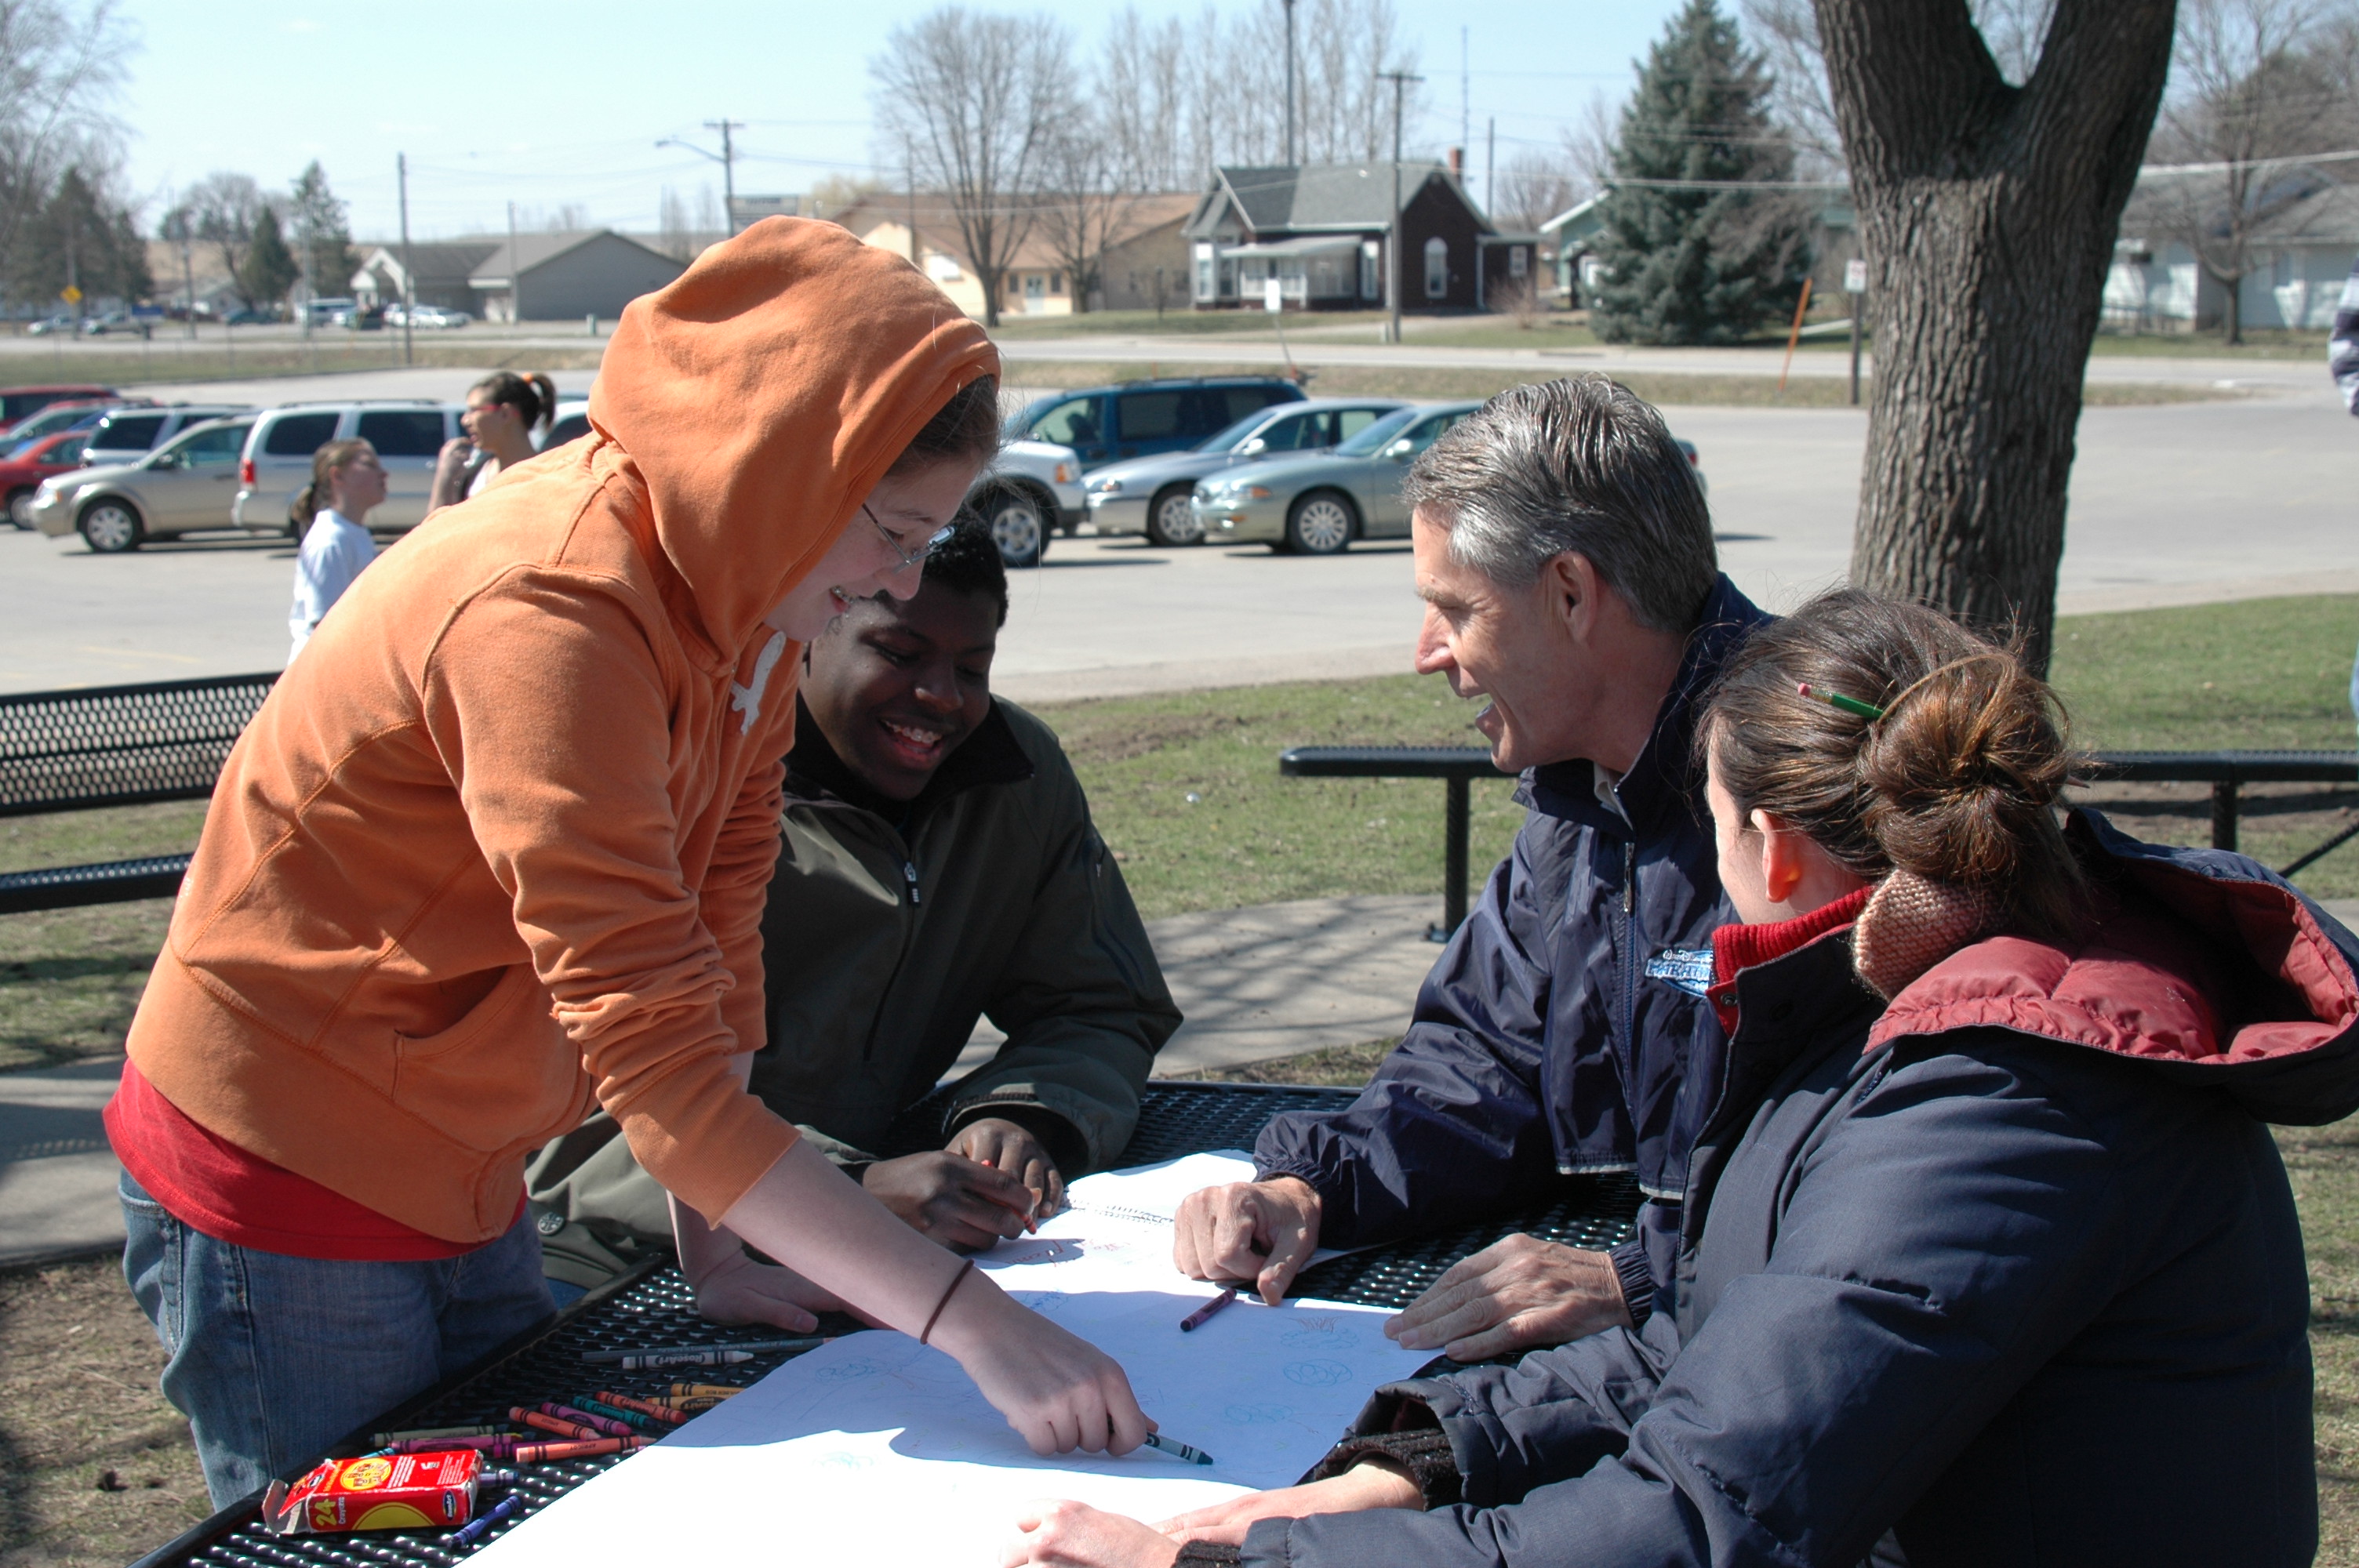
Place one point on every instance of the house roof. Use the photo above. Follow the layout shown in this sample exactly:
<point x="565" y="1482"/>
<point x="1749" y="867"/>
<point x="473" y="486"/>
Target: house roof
<point x="938" y="227"/>
<point x="499" y="268"/>
<point x="1575" y="215"/>
<point x="2296" y="206"/>
<point x="1319" y="196"/>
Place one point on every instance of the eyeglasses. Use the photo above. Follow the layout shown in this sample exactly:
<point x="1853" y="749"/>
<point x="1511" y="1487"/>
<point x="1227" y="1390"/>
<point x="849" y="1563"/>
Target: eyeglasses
<point x="934" y="541"/>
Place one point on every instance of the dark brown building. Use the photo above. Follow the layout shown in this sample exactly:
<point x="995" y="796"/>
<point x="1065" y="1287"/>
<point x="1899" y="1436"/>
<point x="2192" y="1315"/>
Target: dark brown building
<point x="1321" y="230"/>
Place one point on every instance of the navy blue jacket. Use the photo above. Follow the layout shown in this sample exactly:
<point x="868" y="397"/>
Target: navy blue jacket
<point x="1554" y="1034"/>
<point x="2009" y="1272"/>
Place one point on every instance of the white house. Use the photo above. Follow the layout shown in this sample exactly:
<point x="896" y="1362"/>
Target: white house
<point x="2299" y="252"/>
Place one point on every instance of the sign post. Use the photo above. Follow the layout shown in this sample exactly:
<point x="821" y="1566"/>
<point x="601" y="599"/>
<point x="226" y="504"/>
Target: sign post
<point x="1273" y="299"/>
<point x="1855" y="284"/>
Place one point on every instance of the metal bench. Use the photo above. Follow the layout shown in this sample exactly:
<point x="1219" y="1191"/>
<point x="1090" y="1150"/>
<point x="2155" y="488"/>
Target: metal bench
<point x="115" y="745"/>
<point x="652" y="1306"/>
<point x="2225" y="772"/>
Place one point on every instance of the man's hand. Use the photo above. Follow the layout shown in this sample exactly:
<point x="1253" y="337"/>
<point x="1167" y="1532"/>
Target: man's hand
<point x="1058" y="1534"/>
<point x="1257" y="1231"/>
<point x="735" y="1289"/>
<point x="1513" y="1295"/>
<point x="957" y="1201"/>
<point x="1362" y="1486"/>
<point x="1003" y="1145"/>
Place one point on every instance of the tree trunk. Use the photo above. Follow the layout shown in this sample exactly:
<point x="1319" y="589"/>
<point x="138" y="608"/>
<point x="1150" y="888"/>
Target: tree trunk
<point x="2232" y="313"/>
<point x="1988" y="214"/>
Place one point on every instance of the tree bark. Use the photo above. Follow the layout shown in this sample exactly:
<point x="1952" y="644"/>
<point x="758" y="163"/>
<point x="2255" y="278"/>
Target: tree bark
<point x="1988" y="214"/>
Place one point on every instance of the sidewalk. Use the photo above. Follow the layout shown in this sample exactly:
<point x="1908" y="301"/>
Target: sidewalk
<point x="1274" y="980"/>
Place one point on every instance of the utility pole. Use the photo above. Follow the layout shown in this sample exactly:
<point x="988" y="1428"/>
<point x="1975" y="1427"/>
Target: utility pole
<point x="1465" y="96"/>
<point x="409" y="278"/>
<point x="516" y="275"/>
<point x="909" y="165"/>
<point x="1401" y="80"/>
<point x="726" y="158"/>
<point x="188" y="270"/>
<point x="1490" y="170"/>
<point x="1291" y="160"/>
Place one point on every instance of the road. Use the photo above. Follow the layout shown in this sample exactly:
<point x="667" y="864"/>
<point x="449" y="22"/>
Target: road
<point x="2171" y="503"/>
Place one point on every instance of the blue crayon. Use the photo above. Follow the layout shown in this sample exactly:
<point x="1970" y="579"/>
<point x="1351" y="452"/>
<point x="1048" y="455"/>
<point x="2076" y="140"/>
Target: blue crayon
<point x="467" y="1534"/>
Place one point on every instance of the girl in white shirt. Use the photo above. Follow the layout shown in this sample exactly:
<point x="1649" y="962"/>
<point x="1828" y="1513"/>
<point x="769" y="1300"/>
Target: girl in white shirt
<point x="347" y="481"/>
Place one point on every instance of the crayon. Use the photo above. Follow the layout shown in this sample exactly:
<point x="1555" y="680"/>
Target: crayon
<point x="477" y="1428"/>
<point x="644" y="1407"/>
<point x="548" y="1453"/>
<point x="605" y="1424"/>
<point x="705" y="1391"/>
<point x="467" y="1534"/>
<point x="1177" y="1449"/>
<point x="1204" y="1315"/>
<point x="489" y="1444"/>
<point x="702" y="1355"/>
<point x="633" y="1419"/>
<point x="546" y="1422"/>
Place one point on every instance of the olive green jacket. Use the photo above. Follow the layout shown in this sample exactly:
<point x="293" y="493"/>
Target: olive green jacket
<point x="890" y="930"/>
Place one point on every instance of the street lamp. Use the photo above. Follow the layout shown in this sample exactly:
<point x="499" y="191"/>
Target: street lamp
<point x="726" y="158"/>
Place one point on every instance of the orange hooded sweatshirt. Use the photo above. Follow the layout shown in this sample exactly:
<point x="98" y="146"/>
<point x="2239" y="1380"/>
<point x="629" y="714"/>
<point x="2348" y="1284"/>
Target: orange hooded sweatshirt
<point x="498" y="842"/>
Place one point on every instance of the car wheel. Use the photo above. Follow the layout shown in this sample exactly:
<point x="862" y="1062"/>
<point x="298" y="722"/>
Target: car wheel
<point x="1320" y="523"/>
<point x="1015" y="519"/>
<point x="20" y="506"/>
<point x="111" y="526"/>
<point x="1171" y="520"/>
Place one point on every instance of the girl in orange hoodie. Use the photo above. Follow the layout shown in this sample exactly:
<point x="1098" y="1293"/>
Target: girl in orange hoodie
<point x="495" y="850"/>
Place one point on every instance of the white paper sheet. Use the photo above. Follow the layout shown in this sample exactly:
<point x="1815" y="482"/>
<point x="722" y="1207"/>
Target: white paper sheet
<point x="878" y="1451"/>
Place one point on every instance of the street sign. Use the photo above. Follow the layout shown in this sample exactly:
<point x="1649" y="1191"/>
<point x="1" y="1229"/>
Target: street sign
<point x="1273" y="297"/>
<point x="70" y="294"/>
<point x="1855" y="275"/>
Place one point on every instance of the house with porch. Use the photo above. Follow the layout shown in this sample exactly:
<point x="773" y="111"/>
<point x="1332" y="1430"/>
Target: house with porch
<point x="1320" y="230"/>
<point x="2298" y="250"/>
<point x="1146" y="248"/>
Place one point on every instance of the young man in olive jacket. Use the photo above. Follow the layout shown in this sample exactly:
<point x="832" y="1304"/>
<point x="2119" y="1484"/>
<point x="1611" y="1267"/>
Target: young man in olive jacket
<point x="937" y="866"/>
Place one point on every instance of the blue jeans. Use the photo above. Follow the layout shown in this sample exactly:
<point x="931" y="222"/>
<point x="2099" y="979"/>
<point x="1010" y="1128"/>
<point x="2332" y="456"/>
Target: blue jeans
<point x="273" y="1358"/>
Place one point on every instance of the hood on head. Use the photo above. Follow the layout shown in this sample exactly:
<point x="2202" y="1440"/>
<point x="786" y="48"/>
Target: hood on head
<point x="2208" y="965"/>
<point x="762" y="395"/>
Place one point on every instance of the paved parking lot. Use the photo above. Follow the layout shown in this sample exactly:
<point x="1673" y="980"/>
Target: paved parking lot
<point x="2170" y="504"/>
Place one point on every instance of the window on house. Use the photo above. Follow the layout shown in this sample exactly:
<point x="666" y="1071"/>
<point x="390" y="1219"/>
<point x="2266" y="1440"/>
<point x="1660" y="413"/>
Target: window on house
<point x="1518" y="261"/>
<point x="1437" y="267"/>
<point x="1370" y="288"/>
<point x="1056" y="282"/>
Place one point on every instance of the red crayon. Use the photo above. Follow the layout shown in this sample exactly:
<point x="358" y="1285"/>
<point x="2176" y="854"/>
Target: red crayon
<point x="551" y="1423"/>
<point x="545" y="1453"/>
<point x="644" y="1407"/>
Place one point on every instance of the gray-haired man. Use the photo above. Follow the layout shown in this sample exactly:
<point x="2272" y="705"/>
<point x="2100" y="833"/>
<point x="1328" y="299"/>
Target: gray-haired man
<point x="1565" y="556"/>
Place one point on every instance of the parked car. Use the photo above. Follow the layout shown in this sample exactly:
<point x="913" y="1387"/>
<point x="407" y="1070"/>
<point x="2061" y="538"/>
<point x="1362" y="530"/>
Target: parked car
<point x="1150" y="495"/>
<point x="24" y="469"/>
<point x="182" y="487"/>
<point x="434" y="317"/>
<point x="1029" y="489"/>
<point x="250" y="318"/>
<point x="572" y="421"/>
<point x="1318" y="504"/>
<point x="18" y="402"/>
<point x="115" y="321"/>
<point x="407" y="433"/>
<point x="79" y="414"/>
<point x="126" y="435"/>
<point x="323" y="311"/>
<point x="1140" y="418"/>
<point x="61" y="322"/>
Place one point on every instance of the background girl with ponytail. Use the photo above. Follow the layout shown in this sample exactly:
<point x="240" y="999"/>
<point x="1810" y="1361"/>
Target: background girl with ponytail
<point x="330" y="515"/>
<point x="505" y="413"/>
<point x="1987" y="1256"/>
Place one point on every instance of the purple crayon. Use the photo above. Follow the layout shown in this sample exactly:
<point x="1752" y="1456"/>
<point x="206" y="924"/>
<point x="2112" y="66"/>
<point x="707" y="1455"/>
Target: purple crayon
<point x="1204" y="1315"/>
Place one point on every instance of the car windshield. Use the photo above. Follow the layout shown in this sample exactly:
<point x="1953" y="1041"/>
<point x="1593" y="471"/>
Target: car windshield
<point x="1224" y="440"/>
<point x="1371" y="441"/>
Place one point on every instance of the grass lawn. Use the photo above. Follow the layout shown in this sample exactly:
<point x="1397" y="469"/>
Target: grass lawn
<point x="1186" y="790"/>
<point x="1665" y="388"/>
<point x="176" y="359"/>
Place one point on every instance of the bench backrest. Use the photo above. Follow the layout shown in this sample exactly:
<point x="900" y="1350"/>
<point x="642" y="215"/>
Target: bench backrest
<point x="121" y="745"/>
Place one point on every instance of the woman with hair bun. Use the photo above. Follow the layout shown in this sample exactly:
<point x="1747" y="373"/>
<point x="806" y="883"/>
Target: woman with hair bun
<point x="1988" y="1256"/>
<point x="505" y="415"/>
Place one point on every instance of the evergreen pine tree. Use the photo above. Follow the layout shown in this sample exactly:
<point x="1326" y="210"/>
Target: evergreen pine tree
<point x="78" y="235"/>
<point x="323" y="236"/>
<point x="269" y="269"/>
<point x="1705" y="266"/>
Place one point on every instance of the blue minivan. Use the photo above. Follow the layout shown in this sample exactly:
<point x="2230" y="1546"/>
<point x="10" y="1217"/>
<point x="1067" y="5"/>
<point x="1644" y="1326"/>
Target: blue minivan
<point x="1140" y="418"/>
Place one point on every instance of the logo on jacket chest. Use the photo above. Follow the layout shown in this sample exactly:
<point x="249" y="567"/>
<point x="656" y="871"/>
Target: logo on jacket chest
<point x="1688" y="969"/>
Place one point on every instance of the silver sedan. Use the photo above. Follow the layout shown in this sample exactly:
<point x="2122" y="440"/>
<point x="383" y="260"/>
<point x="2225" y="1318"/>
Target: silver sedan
<point x="1149" y="495"/>
<point x="183" y="487"/>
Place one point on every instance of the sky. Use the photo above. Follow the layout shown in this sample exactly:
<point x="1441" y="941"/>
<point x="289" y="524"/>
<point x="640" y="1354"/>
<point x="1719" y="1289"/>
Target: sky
<point x="550" y="106"/>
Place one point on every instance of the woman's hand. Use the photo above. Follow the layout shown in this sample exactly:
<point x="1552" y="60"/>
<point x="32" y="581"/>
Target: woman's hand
<point x="1360" y="1487"/>
<point x="1057" y="1534"/>
<point x="1059" y="1392"/>
<point x="449" y="464"/>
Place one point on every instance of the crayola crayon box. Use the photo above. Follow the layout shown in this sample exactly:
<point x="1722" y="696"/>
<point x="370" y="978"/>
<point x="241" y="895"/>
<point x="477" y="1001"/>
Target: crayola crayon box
<point x="395" y="1492"/>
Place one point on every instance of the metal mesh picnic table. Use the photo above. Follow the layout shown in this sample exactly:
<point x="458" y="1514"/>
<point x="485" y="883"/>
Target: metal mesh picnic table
<point x="652" y="1307"/>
